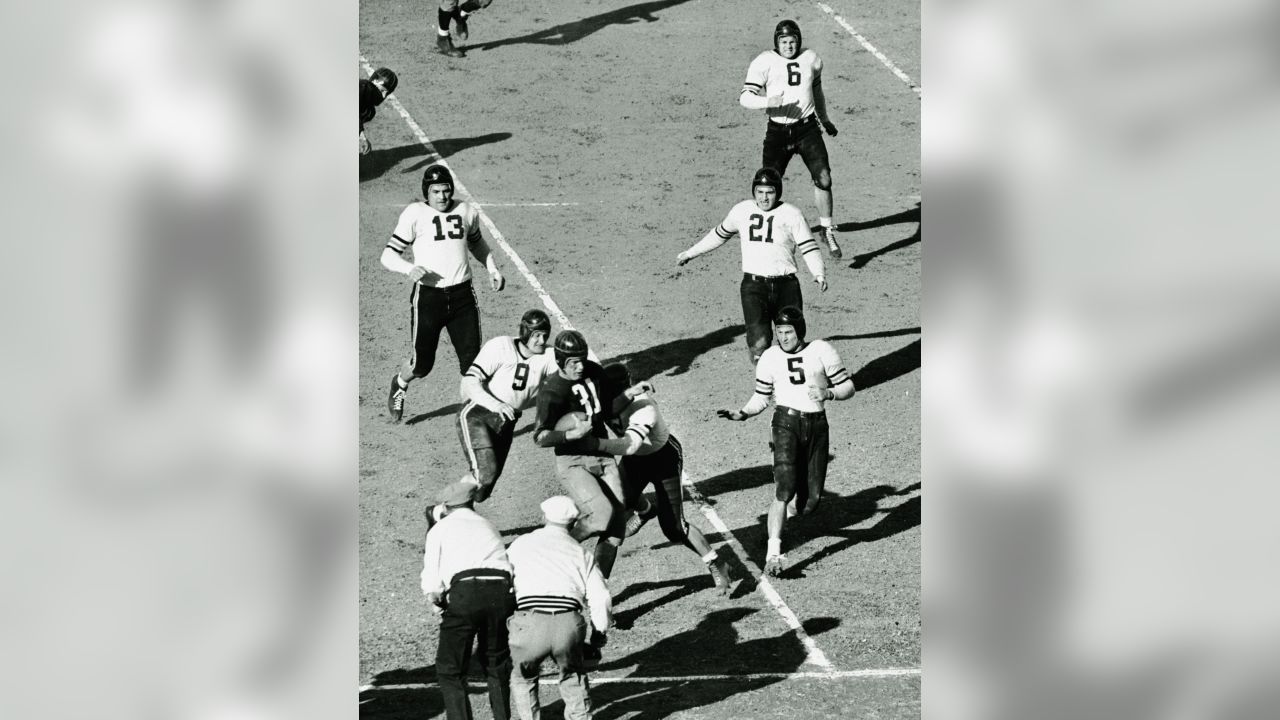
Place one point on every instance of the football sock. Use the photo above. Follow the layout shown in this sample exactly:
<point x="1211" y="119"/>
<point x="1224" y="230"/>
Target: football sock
<point x="443" y="17"/>
<point x="710" y="557"/>
<point x="775" y="547"/>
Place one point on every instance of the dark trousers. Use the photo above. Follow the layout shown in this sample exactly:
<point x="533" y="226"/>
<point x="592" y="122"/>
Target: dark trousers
<point x="476" y="610"/>
<point x="486" y="441"/>
<point x="782" y="142"/>
<point x="762" y="298"/>
<point x="800" y="445"/>
<point x="436" y="309"/>
<point x="662" y="469"/>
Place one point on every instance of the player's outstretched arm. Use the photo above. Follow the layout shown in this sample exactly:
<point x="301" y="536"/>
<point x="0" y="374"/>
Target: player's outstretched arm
<point x="712" y="240"/>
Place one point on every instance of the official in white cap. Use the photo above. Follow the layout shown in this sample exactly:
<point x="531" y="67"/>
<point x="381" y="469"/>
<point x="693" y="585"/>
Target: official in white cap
<point x="558" y="587"/>
<point x="467" y="576"/>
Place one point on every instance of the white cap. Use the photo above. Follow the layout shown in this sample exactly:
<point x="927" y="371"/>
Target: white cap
<point x="559" y="509"/>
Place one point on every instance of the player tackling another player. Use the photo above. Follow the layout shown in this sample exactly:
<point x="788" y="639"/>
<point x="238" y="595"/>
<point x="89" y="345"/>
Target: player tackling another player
<point x="801" y="376"/>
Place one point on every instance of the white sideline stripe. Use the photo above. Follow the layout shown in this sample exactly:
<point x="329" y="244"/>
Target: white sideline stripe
<point x="461" y="190"/>
<point x="548" y="204"/>
<point x="871" y="673"/>
<point x="813" y="654"/>
<point x="870" y="48"/>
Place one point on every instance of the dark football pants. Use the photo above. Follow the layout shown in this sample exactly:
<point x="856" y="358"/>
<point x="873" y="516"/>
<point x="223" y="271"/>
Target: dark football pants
<point x="762" y="298"/>
<point x="436" y="309"/>
<point x="662" y="469"/>
<point x="782" y="142"/>
<point x="476" y="609"/>
<point x="486" y="441"/>
<point x="800" y="445"/>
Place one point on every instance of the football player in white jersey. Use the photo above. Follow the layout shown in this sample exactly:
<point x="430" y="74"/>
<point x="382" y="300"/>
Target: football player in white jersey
<point x="501" y="383"/>
<point x="786" y="82"/>
<point x="771" y="231"/>
<point x="801" y="376"/>
<point x="441" y="232"/>
<point x="653" y="456"/>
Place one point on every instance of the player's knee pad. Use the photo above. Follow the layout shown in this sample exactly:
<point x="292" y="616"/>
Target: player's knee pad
<point x="822" y="179"/>
<point x="757" y="346"/>
<point x="448" y="5"/>
<point x="784" y="481"/>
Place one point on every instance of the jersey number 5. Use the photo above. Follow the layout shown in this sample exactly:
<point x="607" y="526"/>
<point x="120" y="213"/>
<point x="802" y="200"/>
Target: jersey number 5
<point x="454" y="234"/>
<point x="793" y="74"/>
<point x="795" y="366"/>
<point x="758" y="223"/>
<point x="521" y="378"/>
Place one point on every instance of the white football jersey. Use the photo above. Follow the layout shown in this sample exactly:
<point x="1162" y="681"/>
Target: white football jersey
<point x="508" y="374"/>
<point x="788" y="376"/>
<point x="642" y="419"/>
<point x="439" y="241"/>
<point x="772" y="74"/>
<point x="769" y="239"/>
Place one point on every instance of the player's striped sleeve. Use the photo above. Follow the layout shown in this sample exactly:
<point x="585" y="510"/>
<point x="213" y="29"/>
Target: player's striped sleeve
<point x="764" y="387"/>
<point x="478" y="373"/>
<point x="808" y="246"/>
<point x="722" y="232"/>
<point x="641" y="431"/>
<point x="474" y="236"/>
<point x="837" y="376"/>
<point x="398" y="244"/>
<point x="752" y="88"/>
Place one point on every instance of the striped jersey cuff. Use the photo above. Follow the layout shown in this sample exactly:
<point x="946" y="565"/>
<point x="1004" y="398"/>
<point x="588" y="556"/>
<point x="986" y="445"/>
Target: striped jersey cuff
<point x="723" y="233"/>
<point x="547" y="602"/>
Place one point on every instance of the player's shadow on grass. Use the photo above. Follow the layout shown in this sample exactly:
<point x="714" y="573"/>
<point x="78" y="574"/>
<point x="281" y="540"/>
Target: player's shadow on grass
<point x="378" y="703"/>
<point x="566" y="33"/>
<point x="906" y="216"/>
<point x="379" y="161"/>
<point x="835" y="517"/>
<point x="888" y="367"/>
<point x="713" y="647"/>
<point x="677" y="356"/>
<point x="438" y="412"/>
<point x="625" y="618"/>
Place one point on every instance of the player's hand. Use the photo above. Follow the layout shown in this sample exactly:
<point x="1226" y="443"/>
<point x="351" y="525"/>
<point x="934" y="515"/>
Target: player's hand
<point x="417" y="272"/>
<point x="830" y="127"/>
<point x="437" y="602"/>
<point x="496" y="280"/>
<point x="579" y="430"/>
<point x="817" y="394"/>
<point x="507" y="412"/>
<point x="735" y="415"/>
<point x="365" y="145"/>
<point x="681" y="259"/>
<point x="597" y="639"/>
<point x="773" y="101"/>
<point x="822" y="282"/>
<point x="640" y="388"/>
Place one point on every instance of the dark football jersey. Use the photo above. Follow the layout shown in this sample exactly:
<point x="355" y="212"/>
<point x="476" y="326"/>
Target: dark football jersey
<point x="370" y="98"/>
<point x="592" y="395"/>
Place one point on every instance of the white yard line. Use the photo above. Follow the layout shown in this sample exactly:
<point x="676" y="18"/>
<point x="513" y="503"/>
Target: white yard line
<point x="529" y="204"/>
<point x="813" y="654"/>
<point x="870" y="674"/>
<point x="870" y="48"/>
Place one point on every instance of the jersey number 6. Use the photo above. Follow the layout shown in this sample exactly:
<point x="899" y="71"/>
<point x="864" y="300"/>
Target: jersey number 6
<point x="793" y="74"/>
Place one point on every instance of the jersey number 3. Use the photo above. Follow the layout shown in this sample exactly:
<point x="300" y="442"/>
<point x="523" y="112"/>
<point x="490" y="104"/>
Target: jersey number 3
<point x="757" y="224"/>
<point x="795" y="366"/>
<point x="454" y="234"/>
<point x="521" y="378"/>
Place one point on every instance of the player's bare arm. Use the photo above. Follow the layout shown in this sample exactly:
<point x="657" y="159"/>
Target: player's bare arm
<point x="480" y="251"/>
<point x="820" y="106"/>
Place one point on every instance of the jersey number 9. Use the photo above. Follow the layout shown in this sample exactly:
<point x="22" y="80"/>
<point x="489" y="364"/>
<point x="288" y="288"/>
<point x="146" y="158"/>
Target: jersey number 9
<point x="521" y="378"/>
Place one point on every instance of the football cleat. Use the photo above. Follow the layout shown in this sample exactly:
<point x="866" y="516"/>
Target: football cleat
<point x="719" y="570"/>
<point x="460" y="26"/>
<point x="773" y="565"/>
<point x="395" y="399"/>
<point x="636" y="520"/>
<point x="444" y="46"/>
<point x="829" y="234"/>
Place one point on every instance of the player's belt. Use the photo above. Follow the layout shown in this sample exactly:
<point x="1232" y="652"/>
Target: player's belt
<point x="767" y="278"/>
<point x="796" y="124"/>
<point x="481" y="574"/>
<point x="446" y="288"/>
<point x="801" y="413"/>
